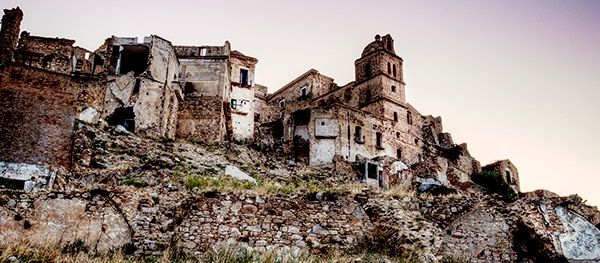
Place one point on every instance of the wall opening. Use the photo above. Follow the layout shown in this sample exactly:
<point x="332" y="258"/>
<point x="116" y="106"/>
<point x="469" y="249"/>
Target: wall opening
<point x="393" y="88"/>
<point x="282" y="104"/>
<point x="136" y="87"/>
<point x="358" y="134"/>
<point x="123" y="116"/>
<point x="389" y="68"/>
<point x="395" y="116"/>
<point x="368" y="96"/>
<point x="12" y="183"/>
<point x="244" y="76"/>
<point x="409" y="117"/>
<point x="398" y="154"/>
<point x="508" y="177"/>
<point x="368" y="70"/>
<point x="133" y="58"/>
<point x="303" y="93"/>
<point x="378" y="140"/>
<point x="394" y="71"/>
<point x="372" y="171"/>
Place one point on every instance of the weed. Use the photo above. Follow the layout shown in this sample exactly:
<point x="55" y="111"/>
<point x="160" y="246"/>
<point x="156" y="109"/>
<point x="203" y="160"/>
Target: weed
<point x="134" y="182"/>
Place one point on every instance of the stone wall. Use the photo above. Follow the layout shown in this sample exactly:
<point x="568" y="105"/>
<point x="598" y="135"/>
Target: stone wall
<point x="201" y="118"/>
<point x="37" y="113"/>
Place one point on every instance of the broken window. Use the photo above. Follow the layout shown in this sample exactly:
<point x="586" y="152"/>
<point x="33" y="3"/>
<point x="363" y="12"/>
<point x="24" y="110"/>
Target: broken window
<point x="244" y="76"/>
<point x="398" y="154"/>
<point x="393" y="88"/>
<point x="372" y="171"/>
<point x="136" y="88"/>
<point x="378" y="140"/>
<point x="409" y="117"/>
<point x="132" y="58"/>
<point x="124" y="117"/>
<point x="395" y="116"/>
<point x="303" y="93"/>
<point x="233" y="103"/>
<point x="358" y="134"/>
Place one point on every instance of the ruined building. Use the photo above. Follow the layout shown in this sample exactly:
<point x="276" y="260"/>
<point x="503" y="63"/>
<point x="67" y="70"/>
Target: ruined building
<point x="208" y="93"/>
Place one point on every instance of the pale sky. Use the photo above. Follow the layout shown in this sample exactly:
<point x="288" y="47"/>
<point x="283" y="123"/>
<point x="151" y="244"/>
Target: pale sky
<point x="513" y="79"/>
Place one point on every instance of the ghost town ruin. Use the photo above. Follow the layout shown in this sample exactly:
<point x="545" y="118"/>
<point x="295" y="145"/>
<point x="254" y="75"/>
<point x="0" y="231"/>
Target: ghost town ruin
<point x="156" y="89"/>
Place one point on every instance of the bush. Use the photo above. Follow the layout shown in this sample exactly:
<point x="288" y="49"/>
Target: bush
<point x="495" y="184"/>
<point x="135" y="182"/>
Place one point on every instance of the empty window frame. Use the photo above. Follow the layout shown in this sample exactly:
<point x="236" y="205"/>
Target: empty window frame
<point x="303" y="93"/>
<point x="394" y="70"/>
<point x="389" y="68"/>
<point x="395" y="116"/>
<point x="378" y="140"/>
<point x="244" y="76"/>
<point x="358" y="134"/>
<point x="508" y="177"/>
<point x="282" y="104"/>
<point x="409" y="117"/>
<point x="398" y="154"/>
<point x="393" y="88"/>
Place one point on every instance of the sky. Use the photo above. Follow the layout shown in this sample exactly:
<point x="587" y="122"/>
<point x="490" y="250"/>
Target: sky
<point x="514" y="79"/>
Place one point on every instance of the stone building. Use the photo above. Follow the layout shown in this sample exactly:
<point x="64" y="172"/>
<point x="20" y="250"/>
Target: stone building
<point x="507" y="170"/>
<point x="219" y="91"/>
<point x="209" y="94"/>
<point x="367" y="121"/>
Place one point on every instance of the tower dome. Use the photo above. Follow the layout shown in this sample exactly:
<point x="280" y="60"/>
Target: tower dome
<point x="381" y="43"/>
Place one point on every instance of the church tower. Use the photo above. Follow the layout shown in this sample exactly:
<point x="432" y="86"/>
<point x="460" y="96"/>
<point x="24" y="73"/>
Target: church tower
<point x="379" y="73"/>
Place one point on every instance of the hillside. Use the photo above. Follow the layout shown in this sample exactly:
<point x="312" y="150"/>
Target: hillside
<point x="142" y="199"/>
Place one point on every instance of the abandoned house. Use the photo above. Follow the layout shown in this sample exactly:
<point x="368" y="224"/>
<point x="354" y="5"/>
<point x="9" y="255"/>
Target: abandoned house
<point x="507" y="170"/>
<point x="208" y="93"/>
<point x="366" y="121"/>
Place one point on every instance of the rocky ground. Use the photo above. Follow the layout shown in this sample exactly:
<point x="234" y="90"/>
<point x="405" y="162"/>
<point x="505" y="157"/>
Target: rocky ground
<point x="173" y="201"/>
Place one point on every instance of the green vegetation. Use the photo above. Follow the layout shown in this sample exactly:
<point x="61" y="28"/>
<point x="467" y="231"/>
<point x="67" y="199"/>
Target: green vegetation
<point x="134" y="182"/>
<point x="453" y="153"/>
<point x="495" y="184"/>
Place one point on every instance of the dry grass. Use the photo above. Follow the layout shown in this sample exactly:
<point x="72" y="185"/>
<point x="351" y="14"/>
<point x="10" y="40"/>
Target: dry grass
<point x="400" y="191"/>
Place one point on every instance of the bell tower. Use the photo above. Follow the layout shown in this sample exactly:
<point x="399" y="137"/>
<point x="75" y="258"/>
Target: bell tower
<point x="378" y="72"/>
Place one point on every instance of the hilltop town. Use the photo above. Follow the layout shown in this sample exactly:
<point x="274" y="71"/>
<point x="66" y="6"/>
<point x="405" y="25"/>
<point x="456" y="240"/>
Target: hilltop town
<point x="145" y="145"/>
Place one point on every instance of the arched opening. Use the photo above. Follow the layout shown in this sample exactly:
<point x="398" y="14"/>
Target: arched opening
<point x="394" y="71"/>
<point x="395" y="116"/>
<point x="389" y="68"/>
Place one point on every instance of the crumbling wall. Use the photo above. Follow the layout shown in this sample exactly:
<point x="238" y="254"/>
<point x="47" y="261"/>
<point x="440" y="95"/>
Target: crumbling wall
<point x="201" y="118"/>
<point x="242" y="96"/>
<point x="46" y="219"/>
<point x="293" y="224"/>
<point x="54" y="54"/>
<point x="37" y="111"/>
<point x="9" y="33"/>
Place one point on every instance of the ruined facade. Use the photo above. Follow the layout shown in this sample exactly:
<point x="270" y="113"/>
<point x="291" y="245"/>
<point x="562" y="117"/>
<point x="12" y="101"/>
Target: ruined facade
<point x="367" y="121"/>
<point x="507" y="170"/>
<point x="219" y="91"/>
<point x="208" y="93"/>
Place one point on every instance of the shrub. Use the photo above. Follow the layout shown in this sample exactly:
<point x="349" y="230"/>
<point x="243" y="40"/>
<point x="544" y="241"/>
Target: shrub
<point x="135" y="182"/>
<point x="495" y="184"/>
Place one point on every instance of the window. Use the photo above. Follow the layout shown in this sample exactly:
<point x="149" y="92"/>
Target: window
<point x="358" y="134"/>
<point x="398" y="135"/>
<point x="378" y="140"/>
<point x="398" y="154"/>
<point x="368" y="70"/>
<point x="233" y="103"/>
<point x="393" y="88"/>
<point x="322" y="123"/>
<point x="508" y="177"/>
<point x="368" y="95"/>
<point x="395" y="116"/>
<point x="303" y="93"/>
<point x="394" y="71"/>
<point x="282" y="104"/>
<point x="409" y="117"/>
<point x="136" y="87"/>
<point x="389" y="68"/>
<point x="244" y="76"/>
<point x="202" y="51"/>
